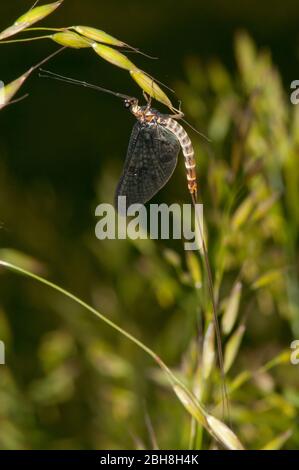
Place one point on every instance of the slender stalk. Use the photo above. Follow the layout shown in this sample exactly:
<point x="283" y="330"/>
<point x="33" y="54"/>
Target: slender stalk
<point x="49" y="57"/>
<point x="195" y="430"/>
<point x="17" y="100"/>
<point x="130" y="48"/>
<point x="172" y="378"/>
<point x="11" y="41"/>
<point x="46" y="29"/>
<point x="215" y="317"/>
<point x="186" y="397"/>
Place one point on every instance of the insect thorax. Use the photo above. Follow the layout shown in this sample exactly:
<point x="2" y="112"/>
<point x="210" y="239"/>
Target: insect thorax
<point x="146" y="115"/>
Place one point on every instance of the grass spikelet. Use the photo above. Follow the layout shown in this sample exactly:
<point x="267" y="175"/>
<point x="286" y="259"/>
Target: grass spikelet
<point x="12" y="30"/>
<point x="70" y="39"/>
<point x="31" y="17"/>
<point x="101" y="36"/>
<point x="232" y="348"/>
<point x="278" y="442"/>
<point x="8" y="92"/>
<point x="224" y="434"/>
<point x="242" y="213"/>
<point x="231" y="311"/>
<point x="150" y="87"/>
<point x="114" y="57"/>
<point x="98" y="35"/>
<point x="208" y="352"/>
<point x="189" y="403"/>
<point x="194" y="269"/>
<point x="272" y="276"/>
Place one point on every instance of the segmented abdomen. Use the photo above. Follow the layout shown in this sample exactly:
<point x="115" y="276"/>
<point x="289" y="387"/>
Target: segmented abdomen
<point x="188" y="152"/>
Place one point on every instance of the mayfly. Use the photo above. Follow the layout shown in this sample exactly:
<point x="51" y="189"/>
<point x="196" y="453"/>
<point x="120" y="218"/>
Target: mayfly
<point x="151" y="159"/>
<point x="153" y="149"/>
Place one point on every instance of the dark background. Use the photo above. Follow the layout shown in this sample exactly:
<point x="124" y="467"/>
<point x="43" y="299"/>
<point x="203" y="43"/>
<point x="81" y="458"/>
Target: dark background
<point x="72" y="127"/>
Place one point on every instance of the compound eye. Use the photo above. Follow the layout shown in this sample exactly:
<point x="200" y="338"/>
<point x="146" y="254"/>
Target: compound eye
<point x="127" y="104"/>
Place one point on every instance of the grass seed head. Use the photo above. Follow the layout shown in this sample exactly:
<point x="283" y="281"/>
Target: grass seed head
<point x="28" y="19"/>
<point x="232" y="308"/>
<point x="208" y="352"/>
<point x="38" y="13"/>
<point x="224" y="434"/>
<point x="232" y="348"/>
<point x="189" y="403"/>
<point x="113" y="56"/>
<point x="8" y="91"/>
<point x="12" y="30"/>
<point x="150" y="87"/>
<point x="98" y="35"/>
<point x="70" y="39"/>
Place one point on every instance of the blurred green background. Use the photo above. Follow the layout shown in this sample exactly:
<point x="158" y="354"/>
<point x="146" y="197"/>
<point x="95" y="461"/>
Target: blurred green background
<point x="71" y="382"/>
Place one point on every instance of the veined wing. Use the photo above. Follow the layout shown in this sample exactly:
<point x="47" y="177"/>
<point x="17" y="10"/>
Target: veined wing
<point x="151" y="159"/>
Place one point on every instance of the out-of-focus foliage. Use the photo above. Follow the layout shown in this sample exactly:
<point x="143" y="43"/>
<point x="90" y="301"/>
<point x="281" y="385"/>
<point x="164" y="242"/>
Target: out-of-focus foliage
<point x="250" y="184"/>
<point x="70" y="382"/>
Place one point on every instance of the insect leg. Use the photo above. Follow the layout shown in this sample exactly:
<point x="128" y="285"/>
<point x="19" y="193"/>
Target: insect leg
<point x="178" y="115"/>
<point x="148" y="100"/>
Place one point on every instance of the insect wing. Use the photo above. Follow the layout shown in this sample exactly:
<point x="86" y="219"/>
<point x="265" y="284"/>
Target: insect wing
<point x="151" y="159"/>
